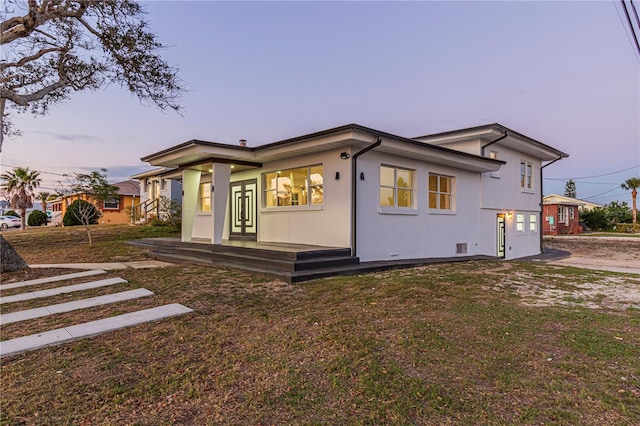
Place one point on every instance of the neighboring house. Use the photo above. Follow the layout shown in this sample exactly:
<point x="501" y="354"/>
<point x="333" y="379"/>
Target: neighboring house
<point x="474" y="191"/>
<point x="559" y="199"/>
<point x="561" y="218"/>
<point x="118" y="209"/>
<point x="154" y="185"/>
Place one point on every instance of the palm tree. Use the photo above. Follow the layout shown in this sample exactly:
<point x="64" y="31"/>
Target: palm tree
<point x="632" y="184"/>
<point x="43" y="197"/>
<point x="20" y="185"/>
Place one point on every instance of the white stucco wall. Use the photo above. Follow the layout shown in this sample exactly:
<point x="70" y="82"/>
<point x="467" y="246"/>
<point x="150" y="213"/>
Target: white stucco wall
<point x="326" y="225"/>
<point x="421" y="233"/>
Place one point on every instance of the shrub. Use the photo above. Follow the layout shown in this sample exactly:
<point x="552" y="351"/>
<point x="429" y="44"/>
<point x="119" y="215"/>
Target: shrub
<point x="37" y="218"/>
<point x="12" y="213"/>
<point x="77" y="209"/>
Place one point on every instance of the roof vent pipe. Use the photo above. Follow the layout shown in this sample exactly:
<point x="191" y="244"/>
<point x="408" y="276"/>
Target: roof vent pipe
<point x="243" y="142"/>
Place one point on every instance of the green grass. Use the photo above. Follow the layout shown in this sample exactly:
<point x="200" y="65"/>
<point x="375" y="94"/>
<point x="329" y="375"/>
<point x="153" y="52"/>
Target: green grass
<point x="441" y="344"/>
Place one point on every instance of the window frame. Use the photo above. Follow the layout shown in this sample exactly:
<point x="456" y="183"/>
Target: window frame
<point x="438" y="192"/>
<point x="268" y="190"/>
<point x="105" y="202"/>
<point x="395" y="208"/>
<point x="520" y="221"/>
<point x="526" y="176"/>
<point x="533" y="223"/>
<point x="561" y="214"/>
<point x="204" y="194"/>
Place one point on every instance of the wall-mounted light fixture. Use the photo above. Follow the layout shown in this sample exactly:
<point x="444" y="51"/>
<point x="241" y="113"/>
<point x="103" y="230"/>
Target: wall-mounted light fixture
<point x="509" y="215"/>
<point x="345" y="155"/>
<point x="337" y="175"/>
<point x="361" y="175"/>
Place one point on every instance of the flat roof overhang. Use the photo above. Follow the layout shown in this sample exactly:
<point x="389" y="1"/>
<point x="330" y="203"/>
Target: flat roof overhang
<point x="195" y="152"/>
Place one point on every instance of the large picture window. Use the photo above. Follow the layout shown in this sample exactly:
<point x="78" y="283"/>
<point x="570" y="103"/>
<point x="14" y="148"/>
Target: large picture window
<point x="204" y="197"/>
<point x="303" y="186"/>
<point x="396" y="187"/>
<point x="440" y="192"/>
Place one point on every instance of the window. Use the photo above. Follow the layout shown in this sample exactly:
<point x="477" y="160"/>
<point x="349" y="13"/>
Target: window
<point x="396" y="187"/>
<point x="526" y="175"/>
<point x="520" y="222"/>
<point x="302" y="186"/>
<point x="440" y="192"/>
<point x="163" y="184"/>
<point x="561" y="214"/>
<point x="493" y="154"/>
<point x="533" y="223"/>
<point x="112" y="203"/>
<point x="571" y="213"/>
<point x="204" y="197"/>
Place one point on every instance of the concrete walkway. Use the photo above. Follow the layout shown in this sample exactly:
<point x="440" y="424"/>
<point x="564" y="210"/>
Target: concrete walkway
<point x="95" y="271"/>
<point x="140" y="264"/>
<point x="88" y="329"/>
<point x="60" y="290"/>
<point x="73" y="306"/>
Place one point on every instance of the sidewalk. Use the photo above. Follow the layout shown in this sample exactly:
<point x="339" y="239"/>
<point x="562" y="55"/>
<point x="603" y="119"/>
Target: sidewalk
<point x="140" y="264"/>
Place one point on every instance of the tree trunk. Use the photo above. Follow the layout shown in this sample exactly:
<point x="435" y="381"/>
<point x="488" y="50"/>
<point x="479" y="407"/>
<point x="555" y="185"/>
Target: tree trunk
<point x="23" y="219"/>
<point x="634" y="195"/>
<point x="10" y="259"/>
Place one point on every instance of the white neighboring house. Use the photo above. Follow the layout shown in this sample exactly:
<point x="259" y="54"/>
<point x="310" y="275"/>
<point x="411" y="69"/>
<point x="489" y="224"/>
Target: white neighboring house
<point x="475" y="191"/>
<point x="155" y="184"/>
<point x="561" y="199"/>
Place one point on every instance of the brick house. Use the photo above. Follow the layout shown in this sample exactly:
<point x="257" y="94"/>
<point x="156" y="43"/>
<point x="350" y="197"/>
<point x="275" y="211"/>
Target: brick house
<point x="561" y="218"/>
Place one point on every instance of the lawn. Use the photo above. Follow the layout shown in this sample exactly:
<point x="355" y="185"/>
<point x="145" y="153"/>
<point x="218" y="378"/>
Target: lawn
<point x="444" y="344"/>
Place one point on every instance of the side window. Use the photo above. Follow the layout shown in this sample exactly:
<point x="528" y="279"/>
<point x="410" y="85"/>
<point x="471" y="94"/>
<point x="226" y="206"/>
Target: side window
<point x="441" y="195"/>
<point x="396" y="187"/>
<point x="520" y="222"/>
<point x="204" y="197"/>
<point x="533" y="223"/>
<point x="526" y="175"/>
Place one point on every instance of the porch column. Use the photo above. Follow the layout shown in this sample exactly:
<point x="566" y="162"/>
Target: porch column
<point x="190" y="187"/>
<point x="220" y="177"/>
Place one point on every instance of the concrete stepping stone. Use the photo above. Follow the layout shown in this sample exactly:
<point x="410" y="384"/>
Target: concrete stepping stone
<point x="73" y="306"/>
<point x="52" y="279"/>
<point x="61" y="290"/>
<point x="88" y="329"/>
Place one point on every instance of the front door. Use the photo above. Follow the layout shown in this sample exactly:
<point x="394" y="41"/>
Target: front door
<point x="244" y="203"/>
<point x="500" y="235"/>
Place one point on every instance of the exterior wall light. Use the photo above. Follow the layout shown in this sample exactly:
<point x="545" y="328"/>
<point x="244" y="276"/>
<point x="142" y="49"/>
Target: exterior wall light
<point x="345" y="155"/>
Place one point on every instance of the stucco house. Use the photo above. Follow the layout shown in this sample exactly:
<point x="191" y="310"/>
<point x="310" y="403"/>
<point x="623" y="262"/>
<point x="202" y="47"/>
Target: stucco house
<point x="117" y="209"/>
<point x="384" y="197"/>
<point x="154" y="184"/>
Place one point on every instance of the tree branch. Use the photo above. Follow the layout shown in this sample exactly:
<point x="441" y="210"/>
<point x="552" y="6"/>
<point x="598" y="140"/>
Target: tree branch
<point x="33" y="57"/>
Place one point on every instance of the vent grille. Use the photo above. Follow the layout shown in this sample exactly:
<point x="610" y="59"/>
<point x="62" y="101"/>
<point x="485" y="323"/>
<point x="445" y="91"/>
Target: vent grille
<point x="461" y="248"/>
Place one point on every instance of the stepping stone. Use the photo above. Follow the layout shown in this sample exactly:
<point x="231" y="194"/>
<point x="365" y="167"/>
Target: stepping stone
<point x="88" y="329"/>
<point x="72" y="306"/>
<point x="60" y="290"/>
<point x="52" y="279"/>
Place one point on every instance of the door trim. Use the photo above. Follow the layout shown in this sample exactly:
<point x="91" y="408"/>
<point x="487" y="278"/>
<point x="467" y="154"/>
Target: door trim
<point x="248" y="200"/>
<point x="501" y="233"/>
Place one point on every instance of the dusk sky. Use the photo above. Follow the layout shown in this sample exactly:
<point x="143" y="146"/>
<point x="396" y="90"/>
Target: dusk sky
<point x="563" y="73"/>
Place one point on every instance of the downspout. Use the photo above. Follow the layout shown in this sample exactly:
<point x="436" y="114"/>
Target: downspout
<point x="354" y="192"/>
<point x="542" y="199"/>
<point x="492" y="142"/>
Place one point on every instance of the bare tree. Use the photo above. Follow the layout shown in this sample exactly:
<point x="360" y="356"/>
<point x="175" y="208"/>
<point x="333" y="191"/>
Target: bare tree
<point x="93" y="190"/>
<point x="51" y="48"/>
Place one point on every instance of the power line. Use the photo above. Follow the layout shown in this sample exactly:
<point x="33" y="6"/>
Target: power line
<point x="635" y="37"/>
<point x="39" y="171"/>
<point x="602" y="193"/>
<point x="626" y="32"/>
<point x="591" y="177"/>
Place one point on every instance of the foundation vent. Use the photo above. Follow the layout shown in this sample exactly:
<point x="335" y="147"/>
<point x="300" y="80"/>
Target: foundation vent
<point x="461" y="248"/>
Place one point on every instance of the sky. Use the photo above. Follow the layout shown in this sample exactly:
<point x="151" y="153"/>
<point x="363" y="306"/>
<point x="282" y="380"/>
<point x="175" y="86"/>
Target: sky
<point x="563" y="73"/>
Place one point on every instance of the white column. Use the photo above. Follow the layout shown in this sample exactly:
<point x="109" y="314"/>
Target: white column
<point x="220" y="175"/>
<point x="190" y="186"/>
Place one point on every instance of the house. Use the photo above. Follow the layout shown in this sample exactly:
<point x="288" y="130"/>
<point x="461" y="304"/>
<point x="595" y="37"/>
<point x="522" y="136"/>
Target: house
<point x="474" y="191"/>
<point x="117" y="209"/>
<point x="559" y="199"/>
<point x="561" y="217"/>
<point x="154" y="185"/>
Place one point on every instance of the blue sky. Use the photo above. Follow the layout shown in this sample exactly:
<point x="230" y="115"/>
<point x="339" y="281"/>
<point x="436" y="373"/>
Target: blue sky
<point x="563" y="73"/>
